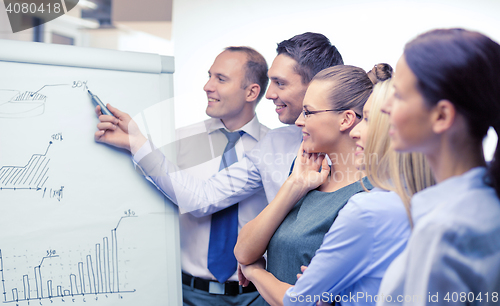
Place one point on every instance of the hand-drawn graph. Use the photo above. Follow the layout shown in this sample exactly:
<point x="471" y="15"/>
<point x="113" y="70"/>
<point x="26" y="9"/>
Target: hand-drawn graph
<point x="23" y="104"/>
<point x="95" y="275"/>
<point x="32" y="176"/>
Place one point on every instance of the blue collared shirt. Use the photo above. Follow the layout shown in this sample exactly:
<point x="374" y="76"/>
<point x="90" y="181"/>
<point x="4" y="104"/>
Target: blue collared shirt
<point x="454" y="250"/>
<point x="369" y="232"/>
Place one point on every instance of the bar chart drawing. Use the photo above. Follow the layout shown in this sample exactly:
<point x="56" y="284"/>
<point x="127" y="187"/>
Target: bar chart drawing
<point x="79" y="189"/>
<point x="96" y="274"/>
<point x="31" y="176"/>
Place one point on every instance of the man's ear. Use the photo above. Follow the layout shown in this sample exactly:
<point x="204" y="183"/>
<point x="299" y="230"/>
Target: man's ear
<point x="252" y="92"/>
<point x="443" y="116"/>
<point x="348" y="120"/>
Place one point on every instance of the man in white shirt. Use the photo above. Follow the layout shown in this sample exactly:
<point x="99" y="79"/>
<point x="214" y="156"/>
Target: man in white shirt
<point x="266" y="166"/>
<point x="237" y="81"/>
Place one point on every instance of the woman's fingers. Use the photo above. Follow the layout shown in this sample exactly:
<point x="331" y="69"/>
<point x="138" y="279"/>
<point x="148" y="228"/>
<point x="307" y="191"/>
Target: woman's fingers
<point x="319" y="160"/>
<point x="325" y="169"/>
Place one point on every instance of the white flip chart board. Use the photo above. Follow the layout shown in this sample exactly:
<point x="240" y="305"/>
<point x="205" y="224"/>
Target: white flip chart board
<point x="78" y="224"/>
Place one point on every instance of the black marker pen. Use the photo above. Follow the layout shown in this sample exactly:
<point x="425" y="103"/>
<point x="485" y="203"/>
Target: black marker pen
<point x="97" y="101"/>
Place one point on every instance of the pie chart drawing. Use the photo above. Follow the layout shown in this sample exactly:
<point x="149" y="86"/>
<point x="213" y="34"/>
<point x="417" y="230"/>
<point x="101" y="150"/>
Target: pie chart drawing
<point x="17" y="104"/>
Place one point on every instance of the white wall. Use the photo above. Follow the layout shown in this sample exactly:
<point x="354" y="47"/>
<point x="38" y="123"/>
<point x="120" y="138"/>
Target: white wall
<point x="125" y="38"/>
<point x="366" y="32"/>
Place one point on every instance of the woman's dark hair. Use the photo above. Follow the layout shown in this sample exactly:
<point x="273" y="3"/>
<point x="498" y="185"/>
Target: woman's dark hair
<point x="350" y="88"/>
<point x="462" y="67"/>
<point x="380" y="72"/>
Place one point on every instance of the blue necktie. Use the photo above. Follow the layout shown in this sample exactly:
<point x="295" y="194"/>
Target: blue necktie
<point x="224" y="226"/>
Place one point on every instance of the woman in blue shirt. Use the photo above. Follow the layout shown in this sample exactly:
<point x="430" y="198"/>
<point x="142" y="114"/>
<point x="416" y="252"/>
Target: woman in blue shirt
<point x="369" y="232"/>
<point x="447" y="95"/>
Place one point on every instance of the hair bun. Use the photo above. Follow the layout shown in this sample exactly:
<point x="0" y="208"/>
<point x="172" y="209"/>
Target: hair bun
<point x="380" y="72"/>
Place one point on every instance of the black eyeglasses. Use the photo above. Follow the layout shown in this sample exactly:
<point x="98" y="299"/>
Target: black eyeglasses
<point x="306" y="113"/>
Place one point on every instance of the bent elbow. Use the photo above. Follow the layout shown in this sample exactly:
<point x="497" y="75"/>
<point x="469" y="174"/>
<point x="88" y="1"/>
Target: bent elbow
<point x="241" y="255"/>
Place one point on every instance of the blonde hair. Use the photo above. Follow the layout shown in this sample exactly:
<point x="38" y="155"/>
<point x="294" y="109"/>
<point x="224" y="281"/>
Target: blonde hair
<point x="403" y="173"/>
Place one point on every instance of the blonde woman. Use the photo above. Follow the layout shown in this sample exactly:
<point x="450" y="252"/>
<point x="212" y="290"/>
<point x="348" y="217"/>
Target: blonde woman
<point x="369" y="232"/>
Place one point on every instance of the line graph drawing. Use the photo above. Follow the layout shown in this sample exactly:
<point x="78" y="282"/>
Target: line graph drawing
<point x="96" y="274"/>
<point x="31" y="176"/>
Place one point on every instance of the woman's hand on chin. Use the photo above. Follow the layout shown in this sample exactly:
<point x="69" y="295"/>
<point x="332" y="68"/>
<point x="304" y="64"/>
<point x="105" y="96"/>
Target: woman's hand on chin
<point x="310" y="170"/>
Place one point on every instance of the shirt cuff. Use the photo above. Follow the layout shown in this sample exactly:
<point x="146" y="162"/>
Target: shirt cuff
<point x="146" y="148"/>
<point x="289" y="297"/>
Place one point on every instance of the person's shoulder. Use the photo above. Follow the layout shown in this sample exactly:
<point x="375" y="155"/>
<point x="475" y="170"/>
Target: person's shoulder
<point x="194" y="129"/>
<point x="355" y="213"/>
<point x="282" y="135"/>
<point x="377" y="195"/>
<point x="379" y="214"/>
<point x="480" y="198"/>
<point x="476" y="208"/>
<point x="377" y="204"/>
<point x="288" y="133"/>
<point x="285" y="130"/>
<point x="264" y="130"/>
<point x="466" y="221"/>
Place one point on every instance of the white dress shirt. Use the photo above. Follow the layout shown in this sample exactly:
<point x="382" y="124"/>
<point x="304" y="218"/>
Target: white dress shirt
<point x="453" y="254"/>
<point x="199" y="151"/>
<point x="266" y="166"/>
<point x="368" y="233"/>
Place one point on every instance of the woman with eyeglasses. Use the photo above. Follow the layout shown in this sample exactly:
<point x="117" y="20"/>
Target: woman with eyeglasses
<point x="297" y="214"/>
<point x="447" y="95"/>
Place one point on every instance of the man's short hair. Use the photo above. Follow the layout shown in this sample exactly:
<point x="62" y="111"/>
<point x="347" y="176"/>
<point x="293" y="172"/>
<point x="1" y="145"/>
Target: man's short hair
<point x="255" y="69"/>
<point x="313" y="52"/>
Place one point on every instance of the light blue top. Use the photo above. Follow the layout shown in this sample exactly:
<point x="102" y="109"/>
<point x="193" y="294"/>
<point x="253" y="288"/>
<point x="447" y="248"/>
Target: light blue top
<point x="454" y="247"/>
<point x="369" y="232"/>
